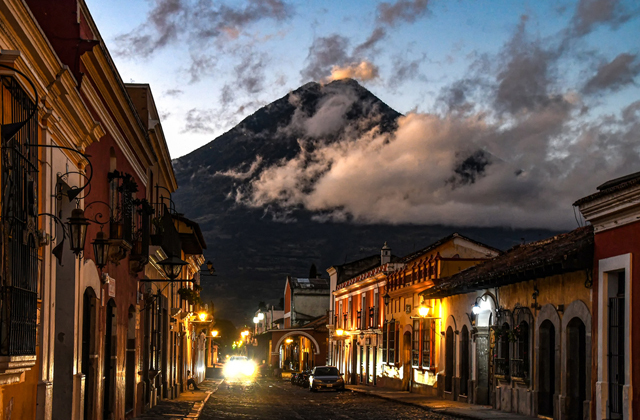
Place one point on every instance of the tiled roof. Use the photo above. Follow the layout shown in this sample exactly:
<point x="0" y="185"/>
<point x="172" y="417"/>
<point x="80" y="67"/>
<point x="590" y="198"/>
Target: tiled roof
<point x="567" y="252"/>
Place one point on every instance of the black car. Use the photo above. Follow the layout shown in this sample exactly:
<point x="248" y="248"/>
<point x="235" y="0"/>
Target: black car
<point x="327" y="377"/>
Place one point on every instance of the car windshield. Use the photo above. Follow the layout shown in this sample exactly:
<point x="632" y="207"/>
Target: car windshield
<point x="326" y="371"/>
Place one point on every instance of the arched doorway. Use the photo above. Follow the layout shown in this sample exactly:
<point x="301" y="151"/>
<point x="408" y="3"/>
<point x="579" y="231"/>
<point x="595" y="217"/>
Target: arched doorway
<point x="464" y="361"/>
<point x="130" y="361"/>
<point x="448" y="360"/>
<point x="110" y="359"/>
<point x="576" y="369"/>
<point x="547" y="368"/>
<point x="89" y="353"/>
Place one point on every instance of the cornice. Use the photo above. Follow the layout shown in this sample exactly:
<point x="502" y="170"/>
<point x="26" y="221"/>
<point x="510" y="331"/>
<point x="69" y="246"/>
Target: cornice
<point x="110" y="126"/>
<point x="614" y="210"/>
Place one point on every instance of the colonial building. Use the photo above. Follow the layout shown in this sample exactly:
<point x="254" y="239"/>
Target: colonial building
<point x="411" y="341"/>
<point x="515" y="331"/>
<point x="43" y="121"/>
<point x="302" y="343"/>
<point x="614" y="212"/>
<point x="82" y="159"/>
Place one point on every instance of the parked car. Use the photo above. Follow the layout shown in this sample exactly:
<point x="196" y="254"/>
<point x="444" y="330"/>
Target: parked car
<point x="327" y="377"/>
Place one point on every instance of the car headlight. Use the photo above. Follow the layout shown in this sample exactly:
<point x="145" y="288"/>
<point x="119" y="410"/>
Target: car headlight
<point x="249" y="368"/>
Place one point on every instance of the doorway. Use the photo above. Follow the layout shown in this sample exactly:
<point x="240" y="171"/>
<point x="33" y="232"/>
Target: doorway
<point x="110" y="359"/>
<point x="130" y="361"/>
<point x="448" y="360"/>
<point x="547" y="368"/>
<point x="89" y="354"/>
<point x="406" y="361"/>
<point x="464" y="361"/>
<point x="576" y="369"/>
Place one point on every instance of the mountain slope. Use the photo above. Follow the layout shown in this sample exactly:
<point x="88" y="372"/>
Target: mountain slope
<point x="255" y="242"/>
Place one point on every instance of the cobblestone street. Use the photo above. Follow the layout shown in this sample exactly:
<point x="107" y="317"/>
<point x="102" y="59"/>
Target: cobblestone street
<point x="270" y="399"/>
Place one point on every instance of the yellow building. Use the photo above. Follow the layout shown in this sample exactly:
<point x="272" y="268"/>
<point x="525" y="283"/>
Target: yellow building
<point x="411" y="343"/>
<point x="516" y="330"/>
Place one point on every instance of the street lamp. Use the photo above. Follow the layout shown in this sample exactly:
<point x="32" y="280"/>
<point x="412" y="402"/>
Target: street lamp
<point x="255" y="320"/>
<point x="214" y="333"/>
<point x="260" y="316"/>
<point x="101" y="249"/>
<point x="339" y="332"/>
<point x="77" y="230"/>
<point x="386" y="298"/>
<point x="172" y="266"/>
<point x="202" y="316"/>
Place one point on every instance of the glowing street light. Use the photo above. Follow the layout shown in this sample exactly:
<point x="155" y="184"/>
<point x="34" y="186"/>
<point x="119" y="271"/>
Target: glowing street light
<point x="423" y="311"/>
<point x="289" y="340"/>
<point x="256" y="320"/>
<point x="202" y="316"/>
<point x="244" y="333"/>
<point x="260" y="316"/>
<point x="214" y="333"/>
<point x="339" y="332"/>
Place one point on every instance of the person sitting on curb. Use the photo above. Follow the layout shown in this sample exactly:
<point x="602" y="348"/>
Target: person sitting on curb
<point x="191" y="381"/>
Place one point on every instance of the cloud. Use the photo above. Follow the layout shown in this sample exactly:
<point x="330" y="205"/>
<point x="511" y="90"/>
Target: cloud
<point x="201" y="121"/>
<point x="362" y="71"/>
<point x="198" y="25"/>
<point x="401" y="11"/>
<point x="376" y="36"/>
<point x="519" y="159"/>
<point x="250" y="74"/>
<point x="523" y="82"/>
<point x="621" y="71"/>
<point x="591" y="13"/>
<point x="404" y="70"/>
<point x="324" y="53"/>
<point x="174" y="92"/>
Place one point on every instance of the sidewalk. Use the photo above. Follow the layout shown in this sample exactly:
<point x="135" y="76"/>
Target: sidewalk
<point x="186" y="406"/>
<point x="452" y="408"/>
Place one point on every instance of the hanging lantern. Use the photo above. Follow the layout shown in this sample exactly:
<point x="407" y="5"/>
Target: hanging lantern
<point x="77" y="230"/>
<point x="172" y="266"/>
<point x="101" y="249"/>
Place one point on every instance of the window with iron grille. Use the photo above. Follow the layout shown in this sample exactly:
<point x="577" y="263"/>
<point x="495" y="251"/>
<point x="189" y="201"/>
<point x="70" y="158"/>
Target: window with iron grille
<point x="123" y="206"/>
<point x="19" y="267"/>
<point x="415" y="344"/>
<point x="392" y="341"/>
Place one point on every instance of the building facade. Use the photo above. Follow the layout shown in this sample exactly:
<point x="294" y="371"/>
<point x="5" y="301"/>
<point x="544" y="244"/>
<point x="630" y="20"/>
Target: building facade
<point x="614" y="212"/>
<point x="515" y="331"/>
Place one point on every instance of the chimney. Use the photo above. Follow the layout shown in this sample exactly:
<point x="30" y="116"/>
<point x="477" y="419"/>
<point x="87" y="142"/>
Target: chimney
<point x="385" y="254"/>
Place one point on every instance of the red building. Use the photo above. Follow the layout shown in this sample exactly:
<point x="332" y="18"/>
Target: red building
<point x="614" y="212"/>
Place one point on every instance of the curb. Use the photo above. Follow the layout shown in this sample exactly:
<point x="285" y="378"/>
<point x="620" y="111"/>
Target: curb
<point x="196" y="410"/>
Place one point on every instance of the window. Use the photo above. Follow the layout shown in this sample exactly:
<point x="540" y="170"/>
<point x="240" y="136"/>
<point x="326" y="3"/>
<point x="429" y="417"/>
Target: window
<point x="363" y="306"/>
<point x="385" y="346"/>
<point x="520" y="362"/>
<point x="502" y="351"/>
<point x="428" y="342"/>
<point x="415" y="344"/>
<point x="392" y="341"/>
<point x="19" y="212"/>
<point x="349" y="312"/>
